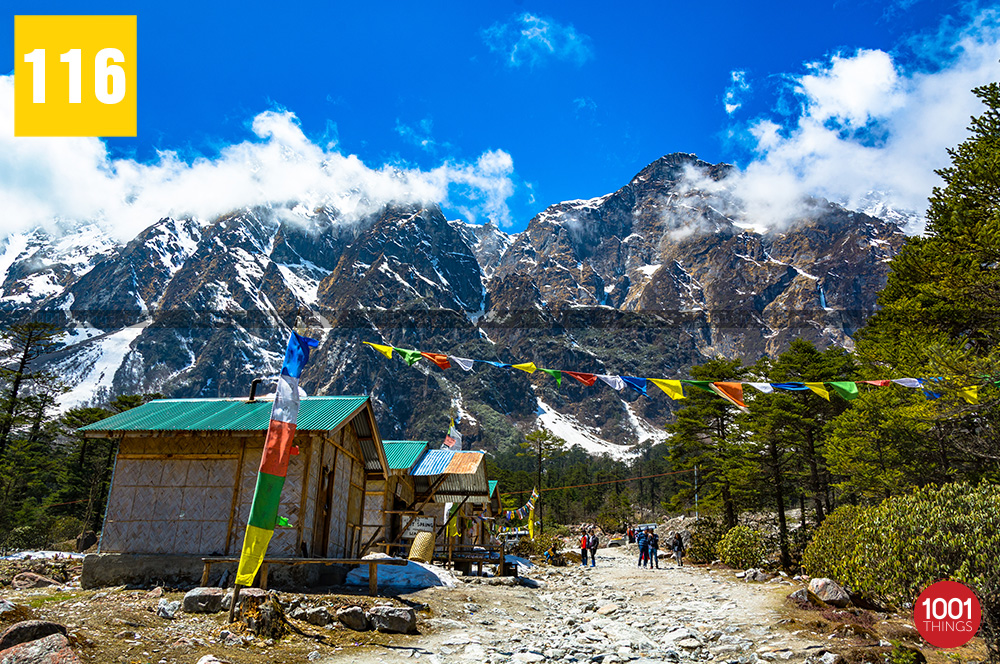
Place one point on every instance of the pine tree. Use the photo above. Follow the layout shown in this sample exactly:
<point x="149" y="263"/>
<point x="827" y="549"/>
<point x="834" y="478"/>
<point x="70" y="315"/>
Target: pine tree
<point x="22" y="344"/>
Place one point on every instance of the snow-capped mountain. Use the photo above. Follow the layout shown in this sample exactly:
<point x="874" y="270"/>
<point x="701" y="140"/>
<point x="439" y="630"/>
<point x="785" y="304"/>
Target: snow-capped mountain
<point x="644" y="281"/>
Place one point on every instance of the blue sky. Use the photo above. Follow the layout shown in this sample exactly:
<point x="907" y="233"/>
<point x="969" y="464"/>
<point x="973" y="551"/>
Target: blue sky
<point x="512" y="106"/>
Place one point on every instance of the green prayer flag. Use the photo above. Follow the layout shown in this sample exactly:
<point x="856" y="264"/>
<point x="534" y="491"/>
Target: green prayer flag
<point x="705" y="385"/>
<point x="283" y="521"/>
<point x="845" y="388"/>
<point x="555" y="374"/>
<point x="411" y="356"/>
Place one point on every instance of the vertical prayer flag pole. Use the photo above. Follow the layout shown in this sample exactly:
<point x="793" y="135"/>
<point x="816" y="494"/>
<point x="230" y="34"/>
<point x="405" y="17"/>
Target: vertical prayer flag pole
<point x="273" y="464"/>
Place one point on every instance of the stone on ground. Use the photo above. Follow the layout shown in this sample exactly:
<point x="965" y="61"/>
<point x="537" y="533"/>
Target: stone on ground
<point x="51" y="649"/>
<point x="354" y="618"/>
<point x="393" y="619"/>
<point x="830" y="592"/>
<point x="204" y="600"/>
<point x="167" y="609"/>
<point x="28" y="630"/>
<point x="26" y="580"/>
<point x="806" y="595"/>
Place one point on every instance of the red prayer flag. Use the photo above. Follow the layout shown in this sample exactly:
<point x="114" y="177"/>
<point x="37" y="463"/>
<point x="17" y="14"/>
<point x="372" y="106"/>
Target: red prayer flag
<point x="878" y="383"/>
<point x="585" y="378"/>
<point x="438" y="359"/>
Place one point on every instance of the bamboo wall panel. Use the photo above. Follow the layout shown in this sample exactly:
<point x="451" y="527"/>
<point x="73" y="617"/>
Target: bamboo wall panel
<point x="168" y="505"/>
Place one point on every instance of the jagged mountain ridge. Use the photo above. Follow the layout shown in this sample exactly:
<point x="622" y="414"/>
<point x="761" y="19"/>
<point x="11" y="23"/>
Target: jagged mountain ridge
<point x="647" y="280"/>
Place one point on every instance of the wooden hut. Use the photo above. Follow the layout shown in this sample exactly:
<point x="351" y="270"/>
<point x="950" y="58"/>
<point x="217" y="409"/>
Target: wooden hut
<point x="186" y="469"/>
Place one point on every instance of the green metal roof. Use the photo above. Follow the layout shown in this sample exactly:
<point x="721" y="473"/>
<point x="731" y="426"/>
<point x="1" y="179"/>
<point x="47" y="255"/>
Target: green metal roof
<point x="402" y="454"/>
<point x="493" y="486"/>
<point x="315" y="414"/>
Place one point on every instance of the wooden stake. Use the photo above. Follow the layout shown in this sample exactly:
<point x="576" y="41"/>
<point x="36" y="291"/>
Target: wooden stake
<point x="236" y="600"/>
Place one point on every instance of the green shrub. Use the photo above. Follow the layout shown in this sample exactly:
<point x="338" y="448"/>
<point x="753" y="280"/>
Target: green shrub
<point x="833" y="544"/>
<point x="892" y="551"/>
<point x="705" y="536"/>
<point x="742" y="547"/>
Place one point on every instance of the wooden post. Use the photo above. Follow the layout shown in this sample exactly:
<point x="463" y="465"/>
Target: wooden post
<point x="263" y="576"/>
<point x="372" y="579"/>
<point x="236" y="601"/>
<point x="204" y="574"/>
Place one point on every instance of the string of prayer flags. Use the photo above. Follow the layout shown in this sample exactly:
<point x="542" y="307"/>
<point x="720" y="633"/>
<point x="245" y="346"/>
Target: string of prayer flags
<point x="523" y="511"/>
<point x="438" y="359"/>
<point x="453" y="437"/>
<point x="672" y="388"/>
<point x="731" y="391"/>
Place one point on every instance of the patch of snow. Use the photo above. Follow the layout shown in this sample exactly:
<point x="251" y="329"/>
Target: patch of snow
<point x="644" y="430"/>
<point x="14" y="246"/>
<point x="576" y="434"/>
<point x="94" y="365"/>
<point x="650" y="270"/>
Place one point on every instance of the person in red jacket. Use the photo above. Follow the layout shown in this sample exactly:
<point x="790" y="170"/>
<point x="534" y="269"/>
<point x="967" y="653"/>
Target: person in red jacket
<point x="583" y="548"/>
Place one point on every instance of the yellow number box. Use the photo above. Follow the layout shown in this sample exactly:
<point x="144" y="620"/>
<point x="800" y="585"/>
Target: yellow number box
<point x="75" y="75"/>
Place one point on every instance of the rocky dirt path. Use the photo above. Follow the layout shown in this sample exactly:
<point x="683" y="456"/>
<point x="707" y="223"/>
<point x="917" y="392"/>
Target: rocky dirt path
<point x="611" y="613"/>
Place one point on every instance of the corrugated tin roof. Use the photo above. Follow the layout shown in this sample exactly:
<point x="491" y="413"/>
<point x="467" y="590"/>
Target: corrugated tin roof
<point x="402" y="454"/>
<point x="433" y="463"/>
<point x="315" y="414"/>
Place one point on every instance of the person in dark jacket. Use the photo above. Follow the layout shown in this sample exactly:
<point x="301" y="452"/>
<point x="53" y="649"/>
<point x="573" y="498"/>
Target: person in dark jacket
<point x="592" y="543"/>
<point x="653" y="543"/>
<point x="677" y="546"/>
<point x="640" y="539"/>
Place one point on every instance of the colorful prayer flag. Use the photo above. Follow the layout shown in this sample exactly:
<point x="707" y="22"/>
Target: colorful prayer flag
<point x="385" y="350"/>
<point x="585" y="378"/>
<point x="614" y="381"/>
<point x="465" y="364"/>
<point x="731" y="392"/>
<point x="704" y="385"/>
<point x="906" y="382"/>
<point x="555" y="374"/>
<point x="793" y="387"/>
<point x="637" y="384"/>
<point x="845" y="389"/>
<point x="820" y="389"/>
<point x="453" y="437"/>
<point x="765" y="388"/>
<point x="672" y="388"/>
<point x="878" y="383"/>
<point x="438" y="359"/>
<point x="274" y="461"/>
<point x="527" y="367"/>
<point x="970" y="394"/>
<point x="411" y="356"/>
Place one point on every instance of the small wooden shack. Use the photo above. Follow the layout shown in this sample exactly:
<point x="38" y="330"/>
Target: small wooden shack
<point x="186" y="469"/>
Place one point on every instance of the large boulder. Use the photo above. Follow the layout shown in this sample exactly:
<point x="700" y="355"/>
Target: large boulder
<point x="393" y="619"/>
<point x="204" y="600"/>
<point x="51" y="649"/>
<point x="31" y="580"/>
<point x="28" y="630"/>
<point x="804" y="595"/>
<point x="830" y="592"/>
<point x="353" y="617"/>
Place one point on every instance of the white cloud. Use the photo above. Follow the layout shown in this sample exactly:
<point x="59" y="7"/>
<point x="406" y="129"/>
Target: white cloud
<point x="422" y="136"/>
<point x="866" y="122"/>
<point x="44" y="180"/>
<point x="734" y="93"/>
<point x="528" y="40"/>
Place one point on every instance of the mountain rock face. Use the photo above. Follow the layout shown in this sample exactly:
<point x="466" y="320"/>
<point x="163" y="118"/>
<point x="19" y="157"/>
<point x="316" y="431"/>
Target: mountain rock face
<point x="645" y="281"/>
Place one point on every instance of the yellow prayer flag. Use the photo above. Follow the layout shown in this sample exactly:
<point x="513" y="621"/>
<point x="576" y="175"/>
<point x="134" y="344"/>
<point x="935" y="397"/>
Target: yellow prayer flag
<point x="385" y="350"/>
<point x="820" y="389"/>
<point x="527" y="366"/>
<point x="673" y="388"/>
<point x="531" y="523"/>
<point x="970" y="394"/>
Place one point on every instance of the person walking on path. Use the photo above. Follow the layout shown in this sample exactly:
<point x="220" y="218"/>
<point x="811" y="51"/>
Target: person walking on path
<point x="678" y="548"/>
<point x="583" y="549"/>
<point x="640" y="539"/>
<point x="654" y="545"/>
<point x="592" y="543"/>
